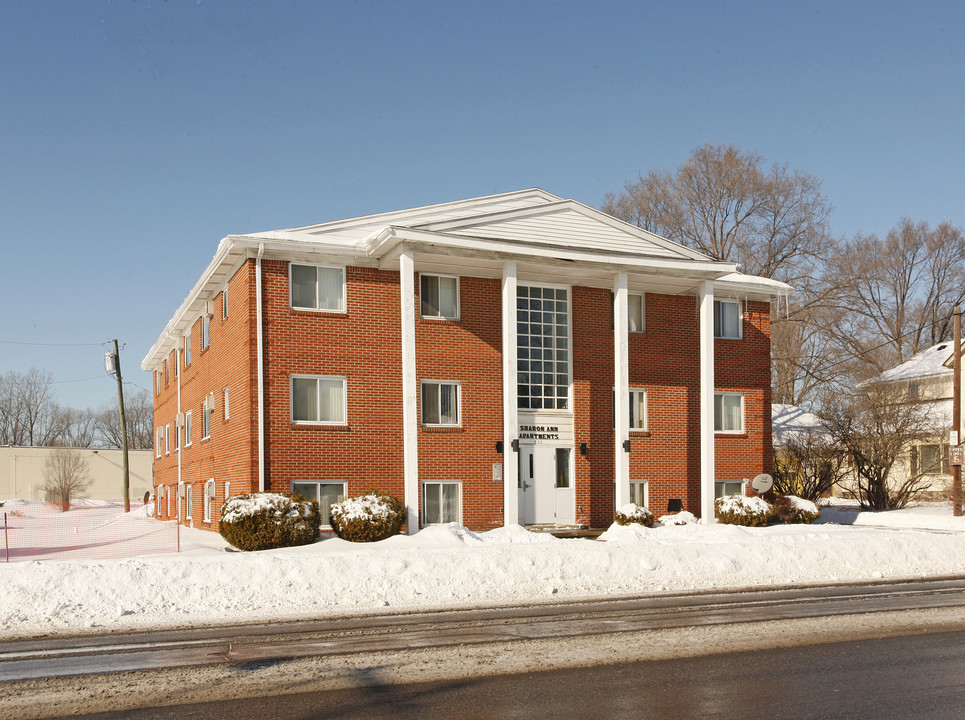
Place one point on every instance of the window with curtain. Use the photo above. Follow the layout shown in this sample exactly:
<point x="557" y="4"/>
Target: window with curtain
<point x="325" y="493"/>
<point x="636" y="314"/>
<point x="318" y="399"/>
<point x="440" y="403"/>
<point x="439" y="296"/>
<point x="727" y="319"/>
<point x="728" y="412"/>
<point x="314" y="287"/>
<point x="440" y="502"/>
<point x="728" y="487"/>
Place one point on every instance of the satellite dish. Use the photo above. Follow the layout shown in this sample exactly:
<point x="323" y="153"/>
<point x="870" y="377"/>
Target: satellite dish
<point x="762" y="483"/>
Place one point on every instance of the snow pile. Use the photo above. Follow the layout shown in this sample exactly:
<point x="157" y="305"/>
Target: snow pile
<point x="684" y="517"/>
<point x="802" y="504"/>
<point x="742" y="504"/>
<point x="448" y="566"/>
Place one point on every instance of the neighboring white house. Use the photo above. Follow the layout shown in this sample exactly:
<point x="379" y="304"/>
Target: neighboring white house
<point x="790" y="420"/>
<point x="22" y="473"/>
<point x="928" y="379"/>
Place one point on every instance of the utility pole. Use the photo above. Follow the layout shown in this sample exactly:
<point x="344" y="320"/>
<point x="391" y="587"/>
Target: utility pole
<point x="957" y="412"/>
<point x="114" y="363"/>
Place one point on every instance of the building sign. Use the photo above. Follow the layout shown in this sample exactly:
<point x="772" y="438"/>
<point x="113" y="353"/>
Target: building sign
<point x="539" y="432"/>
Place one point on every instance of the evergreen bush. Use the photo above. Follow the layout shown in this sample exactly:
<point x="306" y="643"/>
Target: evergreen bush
<point x="632" y="513"/>
<point x="261" y="521"/>
<point x="368" y="518"/>
<point x="742" y="510"/>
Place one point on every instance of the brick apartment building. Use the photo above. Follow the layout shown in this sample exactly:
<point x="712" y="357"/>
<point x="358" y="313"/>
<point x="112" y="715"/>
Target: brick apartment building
<point x="369" y="353"/>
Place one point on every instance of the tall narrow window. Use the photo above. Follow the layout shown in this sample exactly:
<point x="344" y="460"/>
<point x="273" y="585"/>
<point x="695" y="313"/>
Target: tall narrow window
<point x="208" y="497"/>
<point x="205" y="420"/>
<point x="317" y="399"/>
<point x="636" y="316"/>
<point x="542" y="349"/>
<point x="727" y="319"/>
<point x="187" y="348"/>
<point x="439" y="296"/>
<point x="638" y="409"/>
<point x="224" y="303"/>
<point x="167" y="439"/>
<point x="638" y="493"/>
<point x="318" y="288"/>
<point x="187" y="428"/>
<point x="225" y="401"/>
<point x="205" y="332"/>
<point x="562" y="467"/>
<point x="188" y="501"/>
<point x="440" y="403"/>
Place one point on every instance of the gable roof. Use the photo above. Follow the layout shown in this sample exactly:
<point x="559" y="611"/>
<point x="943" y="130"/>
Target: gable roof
<point x="933" y="362"/>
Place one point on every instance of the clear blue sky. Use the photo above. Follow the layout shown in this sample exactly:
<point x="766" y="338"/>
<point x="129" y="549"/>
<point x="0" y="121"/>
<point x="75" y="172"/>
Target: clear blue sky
<point x="135" y="135"/>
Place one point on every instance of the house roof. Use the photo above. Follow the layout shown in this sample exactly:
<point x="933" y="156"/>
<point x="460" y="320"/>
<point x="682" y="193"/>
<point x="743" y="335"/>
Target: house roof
<point x="540" y="231"/>
<point x="935" y="361"/>
<point x="788" y="421"/>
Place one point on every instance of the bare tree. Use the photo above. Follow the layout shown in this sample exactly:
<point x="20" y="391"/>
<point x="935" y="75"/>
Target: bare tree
<point x="139" y="417"/>
<point x="808" y="464"/>
<point x="29" y="415"/>
<point x="78" y="427"/>
<point x="66" y="475"/>
<point x="876" y="427"/>
<point x="895" y="296"/>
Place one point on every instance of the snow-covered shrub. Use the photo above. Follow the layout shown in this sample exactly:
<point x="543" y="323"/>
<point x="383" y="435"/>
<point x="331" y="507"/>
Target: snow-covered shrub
<point x="632" y="513"/>
<point x="790" y="509"/>
<point x="368" y="518"/>
<point x="260" y="521"/>
<point x="742" y="510"/>
<point x="684" y="517"/>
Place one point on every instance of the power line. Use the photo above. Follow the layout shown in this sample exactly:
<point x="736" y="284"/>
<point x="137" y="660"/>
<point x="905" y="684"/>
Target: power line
<point x="40" y="344"/>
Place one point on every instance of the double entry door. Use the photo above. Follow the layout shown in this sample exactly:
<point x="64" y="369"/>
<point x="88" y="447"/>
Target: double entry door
<point x="546" y="495"/>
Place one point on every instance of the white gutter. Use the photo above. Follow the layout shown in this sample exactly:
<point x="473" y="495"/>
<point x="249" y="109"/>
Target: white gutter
<point x="261" y="371"/>
<point x="177" y="428"/>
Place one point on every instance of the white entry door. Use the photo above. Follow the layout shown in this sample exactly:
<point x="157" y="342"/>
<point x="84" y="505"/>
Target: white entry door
<point x="545" y="485"/>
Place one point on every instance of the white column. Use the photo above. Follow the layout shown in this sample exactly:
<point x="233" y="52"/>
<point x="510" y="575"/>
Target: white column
<point x="410" y="388"/>
<point x="707" y="470"/>
<point x="510" y="401"/>
<point x="621" y="385"/>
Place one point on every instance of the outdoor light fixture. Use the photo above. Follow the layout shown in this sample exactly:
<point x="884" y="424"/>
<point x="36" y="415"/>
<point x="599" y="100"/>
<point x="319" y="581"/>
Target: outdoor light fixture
<point x="674" y="505"/>
<point x="584" y="449"/>
<point x="499" y="446"/>
<point x="626" y="446"/>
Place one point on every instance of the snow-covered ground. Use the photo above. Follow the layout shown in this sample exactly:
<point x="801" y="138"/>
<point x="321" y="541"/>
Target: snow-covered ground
<point x="449" y="566"/>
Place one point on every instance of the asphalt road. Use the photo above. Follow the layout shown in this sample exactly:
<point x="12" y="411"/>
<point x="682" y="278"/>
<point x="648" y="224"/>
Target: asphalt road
<point x="918" y="676"/>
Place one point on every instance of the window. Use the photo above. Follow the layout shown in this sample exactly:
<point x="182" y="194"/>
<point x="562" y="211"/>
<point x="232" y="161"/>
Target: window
<point x="187" y="428"/>
<point x="318" y="400"/>
<point x="440" y="403"/>
<point x="188" y="499"/>
<point x="177" y="437"/>
<point x="227" y="490"/>
<point x="325" y="493"/>
<point x="318" y="288"/>
<point x="208" y="493"/>
<point x="728" y="412"/>
<point x="165" y="371"/>
<point x="640" y="493"/>
<point x="562" y="467"/>
<point x="635" y="314"/>
<point x="439" y="296"/>
<point x="638" y="409"/>
<point x="225" y="403"/>
<point x="205" y="332"/>
<point x="205" y="420"/>
<point x="169" y="500"/>
<point x="727" y="319"/>
<point x="930" y="459"/>
<point x="157" y="441"/>
<point x="175" y="363"/>
<point x="542" y="349"/>
<point x="440" y="502"/>
<point x="187" y="348"/>
<point x="224" y="303"/>
<point x="157" y="381"/>
<point x="728" y="487"/>
<point x="167" y="439"/>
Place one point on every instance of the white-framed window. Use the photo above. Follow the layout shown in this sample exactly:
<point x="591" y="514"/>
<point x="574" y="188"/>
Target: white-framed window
<point x="638" y="409"/>
<point x="440" y="502"/>
<point x="188" y="500"/>
<point x="187" y="428"/>
<point x="542" y="348"/>
<point x="158" y="439"/>
<point x="167" y="439"/>
<point x="187" y="348"/>
<point x="317" y="287"/>
<point x="930" y="459"/>
<point x="439" y="296"/>
<point x="640" y="493"/>
<point x="324" y="492"/>
<point x="225" y="401"/>
<point x="205" y="332"/>
<point x="165" y="372"/>
<point x="177" y="437"/>
<point x="169" y="500"/>
<point x="227" y="490"/>
<point x="157" y="381"/>
<point x="728" y="412"/>
<point x="224" y="303"/>
<point x="208" y="493"/>
<point x="440" y="402"/>
<point x="636" y="313"/>
<point x="727" y="319"/>
<point x="728" y="487"/>
<point x="175" y="364"/>
<point x="318" y="399"/>
<point x="205" y="420"/>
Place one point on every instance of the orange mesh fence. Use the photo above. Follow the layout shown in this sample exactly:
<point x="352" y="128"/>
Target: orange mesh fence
<point x="88" y="529"/>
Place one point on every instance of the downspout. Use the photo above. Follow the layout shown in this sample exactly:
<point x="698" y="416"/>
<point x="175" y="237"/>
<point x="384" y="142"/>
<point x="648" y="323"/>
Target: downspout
<point x="261" y="370"/>
<point x="177" y="428"/>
